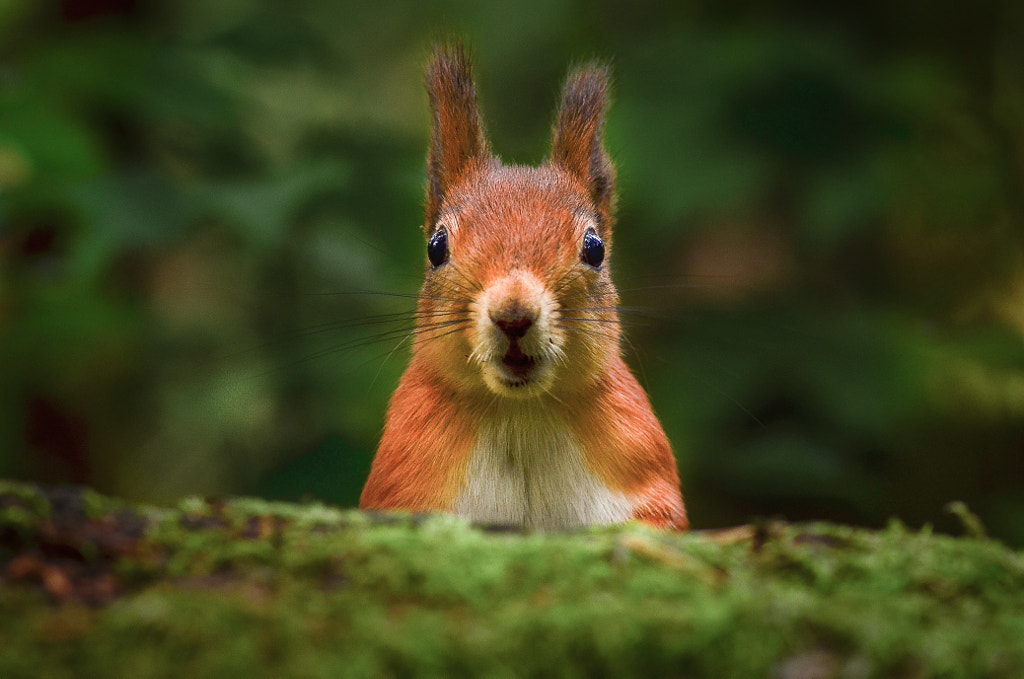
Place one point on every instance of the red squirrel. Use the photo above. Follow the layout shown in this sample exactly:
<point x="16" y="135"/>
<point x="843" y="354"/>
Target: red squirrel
<point x="517" y="407"/>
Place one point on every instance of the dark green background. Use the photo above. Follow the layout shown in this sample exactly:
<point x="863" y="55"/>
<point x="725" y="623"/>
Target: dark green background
<point x="819" y="239"/>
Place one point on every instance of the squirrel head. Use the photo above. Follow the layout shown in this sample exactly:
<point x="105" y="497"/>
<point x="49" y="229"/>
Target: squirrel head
<point x="518" y="299"/>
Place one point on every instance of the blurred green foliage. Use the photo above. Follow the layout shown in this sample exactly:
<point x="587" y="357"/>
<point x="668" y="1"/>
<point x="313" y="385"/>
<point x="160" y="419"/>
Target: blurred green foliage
<point x="819" y="239"/>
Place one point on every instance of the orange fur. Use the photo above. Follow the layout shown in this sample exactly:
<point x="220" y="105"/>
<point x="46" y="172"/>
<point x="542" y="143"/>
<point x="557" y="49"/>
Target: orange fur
<point x="518" y="335"/>
<point x="628" y="448"/>
<point x="423" y="451"/>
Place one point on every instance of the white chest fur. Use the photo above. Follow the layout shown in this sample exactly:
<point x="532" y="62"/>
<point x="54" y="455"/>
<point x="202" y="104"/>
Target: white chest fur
<point x="527" y="469"/>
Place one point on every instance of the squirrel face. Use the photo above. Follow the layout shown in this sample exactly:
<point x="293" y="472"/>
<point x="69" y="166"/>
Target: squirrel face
<point x="515" y="253"/>
<point x="517" y="300"/>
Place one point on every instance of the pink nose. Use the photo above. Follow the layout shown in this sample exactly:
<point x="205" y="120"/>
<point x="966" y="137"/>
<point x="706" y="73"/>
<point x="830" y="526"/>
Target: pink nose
<point x="514" y="328"/>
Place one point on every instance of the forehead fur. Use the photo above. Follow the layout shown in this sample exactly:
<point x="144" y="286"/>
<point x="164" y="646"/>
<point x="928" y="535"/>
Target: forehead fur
<point x="518" y="216"/>
<point x="514" y="193"/>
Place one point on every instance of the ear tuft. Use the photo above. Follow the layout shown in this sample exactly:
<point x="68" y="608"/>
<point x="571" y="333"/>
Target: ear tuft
<point x="457" y="139"/>
<point x="578" y="145"/>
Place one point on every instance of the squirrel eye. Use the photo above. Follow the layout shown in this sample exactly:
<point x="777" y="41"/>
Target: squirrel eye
<point x="592" y="252"/>
<point x="437" y="247"/>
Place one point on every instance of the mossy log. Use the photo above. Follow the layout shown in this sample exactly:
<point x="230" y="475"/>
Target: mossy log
<point x="91" y="587"/>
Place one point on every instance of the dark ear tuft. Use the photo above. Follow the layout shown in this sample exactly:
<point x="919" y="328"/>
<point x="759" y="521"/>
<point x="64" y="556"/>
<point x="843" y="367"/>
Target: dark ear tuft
<point x="456" y="136"/>
<point x="578" y="144"/>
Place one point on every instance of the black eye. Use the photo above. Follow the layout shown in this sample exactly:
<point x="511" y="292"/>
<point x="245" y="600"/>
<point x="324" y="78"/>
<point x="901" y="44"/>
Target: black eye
<point x="592" y="251"/>
<point x="437" y="247"/>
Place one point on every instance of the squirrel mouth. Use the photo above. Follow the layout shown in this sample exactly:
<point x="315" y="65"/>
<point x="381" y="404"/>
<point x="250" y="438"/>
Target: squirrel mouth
<point x="519" y="364"/>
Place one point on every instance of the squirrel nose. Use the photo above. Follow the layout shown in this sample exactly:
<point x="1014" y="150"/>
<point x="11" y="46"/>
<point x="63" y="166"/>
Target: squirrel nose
<point x="514" y="328"/>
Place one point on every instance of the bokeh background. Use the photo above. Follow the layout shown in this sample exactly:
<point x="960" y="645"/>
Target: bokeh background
<point x="820" y="239"/>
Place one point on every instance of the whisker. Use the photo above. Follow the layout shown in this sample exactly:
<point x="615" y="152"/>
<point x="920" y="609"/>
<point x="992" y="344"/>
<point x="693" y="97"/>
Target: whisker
<point x="391" y="334"/>
<point x="333" y="326"/>
<point x="557" y="354"/>
<point x="404" y="333"/>
<point x="585" y="319"/>
<point x="648" y="312"/>
<point x="425" y="329"/>
<point x="417" y="341"/>
<point x="638" y="356"/>
<point x="384" y="361"/>
<point x="379" y="293"/>
<point x="460" y="280"/>
<point x="564" y="283"/>
<point x="377" y="319"/>
<point x="595" y="332"/>
<point x="678" y="286"/>
<point x="384" y="357"/>
<point x="424" y="332"/>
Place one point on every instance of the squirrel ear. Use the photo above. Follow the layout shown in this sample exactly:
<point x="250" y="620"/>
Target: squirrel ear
<point x="456" y="136"/>
<point x="578" y="146"/>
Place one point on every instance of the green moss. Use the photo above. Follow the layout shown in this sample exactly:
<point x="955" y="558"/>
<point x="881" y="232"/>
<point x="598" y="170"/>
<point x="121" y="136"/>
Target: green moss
<point x="22" y="505"/>
<point x="249" y="588"/>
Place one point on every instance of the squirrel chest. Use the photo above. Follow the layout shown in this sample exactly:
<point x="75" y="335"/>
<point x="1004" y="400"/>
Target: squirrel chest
<point x="527" y="469"/>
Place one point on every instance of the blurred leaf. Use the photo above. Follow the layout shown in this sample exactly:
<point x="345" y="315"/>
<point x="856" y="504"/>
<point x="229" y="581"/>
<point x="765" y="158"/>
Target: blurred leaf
<point x="786" y="465"/>
<point x="123" y="213"/>
<point x="12" y="14"/>
<point x="54" y="146"/>
<point x="261" y="210"/>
